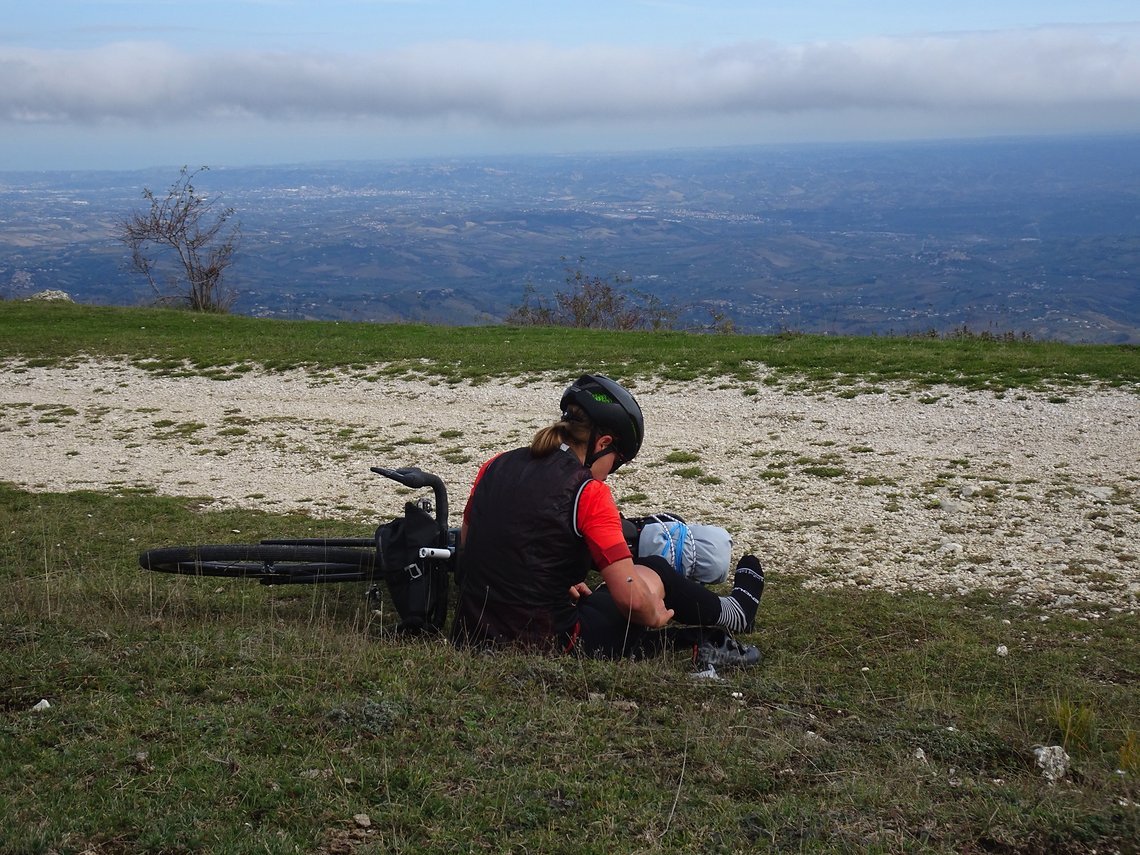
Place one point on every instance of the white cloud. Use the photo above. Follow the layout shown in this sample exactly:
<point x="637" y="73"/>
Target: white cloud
<point x="537" y="84"/>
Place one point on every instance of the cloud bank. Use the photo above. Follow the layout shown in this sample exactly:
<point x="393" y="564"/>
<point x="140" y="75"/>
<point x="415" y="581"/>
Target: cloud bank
<point x="536" y="84"/>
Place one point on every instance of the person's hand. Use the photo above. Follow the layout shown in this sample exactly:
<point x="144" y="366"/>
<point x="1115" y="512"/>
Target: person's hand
<point x="580" y="590"/>
<point x="660" y="617"/>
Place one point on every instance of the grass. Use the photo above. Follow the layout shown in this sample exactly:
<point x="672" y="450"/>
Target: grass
<point x="223" y="346"/>
<point x="216" y="715"/>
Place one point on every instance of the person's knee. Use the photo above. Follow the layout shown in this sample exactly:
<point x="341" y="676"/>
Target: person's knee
<point x="657" y="563"/>
<point x="651" y="579"/>
<point x="662" y="571"/>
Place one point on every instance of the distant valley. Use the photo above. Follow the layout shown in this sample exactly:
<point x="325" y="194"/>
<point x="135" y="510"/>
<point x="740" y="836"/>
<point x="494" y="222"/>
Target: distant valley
<point x="1032" y="236"/>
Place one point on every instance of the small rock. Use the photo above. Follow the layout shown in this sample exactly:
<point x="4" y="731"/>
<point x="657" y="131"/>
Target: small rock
<point x="950" y="548"/>
<point x="1098" y="494"/>
<point x="919" y="755"/>
<point x="1002" y="650"/>
<point x="708" y="673"/>
<point x="1052" y="760"/>
<point x="41" y="706"/>
<point x="51" y="296"/>
<point x="362" y="820"/>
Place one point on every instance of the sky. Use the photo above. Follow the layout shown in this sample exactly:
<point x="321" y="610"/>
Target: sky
<point x="126" y="84"/>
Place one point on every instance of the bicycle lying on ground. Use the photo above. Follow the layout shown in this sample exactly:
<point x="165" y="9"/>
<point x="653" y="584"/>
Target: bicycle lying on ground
<point x="414" y="557"/>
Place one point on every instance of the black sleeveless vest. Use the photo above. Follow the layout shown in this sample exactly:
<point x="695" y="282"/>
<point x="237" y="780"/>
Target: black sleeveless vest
<point x="523" y="551"/>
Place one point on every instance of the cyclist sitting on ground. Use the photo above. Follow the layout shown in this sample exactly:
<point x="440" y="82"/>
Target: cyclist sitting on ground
<point x="536" y="520"/>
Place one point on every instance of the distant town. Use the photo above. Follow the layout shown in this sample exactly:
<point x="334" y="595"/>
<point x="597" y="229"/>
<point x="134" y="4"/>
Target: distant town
<point x="1033" y="237"/>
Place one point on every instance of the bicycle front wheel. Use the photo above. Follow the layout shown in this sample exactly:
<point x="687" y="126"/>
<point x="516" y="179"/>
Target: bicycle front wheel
<point x="270" y="565"/>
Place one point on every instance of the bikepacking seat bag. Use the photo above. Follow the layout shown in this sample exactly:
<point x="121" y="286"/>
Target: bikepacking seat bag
<point x="418" y="586"/>
<point x="702" y="553"/>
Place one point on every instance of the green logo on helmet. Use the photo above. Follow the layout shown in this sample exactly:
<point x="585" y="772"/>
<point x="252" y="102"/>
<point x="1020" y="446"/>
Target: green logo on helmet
<point x="602" y="398"/>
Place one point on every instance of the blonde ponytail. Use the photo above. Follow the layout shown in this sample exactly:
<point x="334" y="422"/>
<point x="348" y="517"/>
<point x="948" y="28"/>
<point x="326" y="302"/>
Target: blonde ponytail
<point x="573" y="431"/>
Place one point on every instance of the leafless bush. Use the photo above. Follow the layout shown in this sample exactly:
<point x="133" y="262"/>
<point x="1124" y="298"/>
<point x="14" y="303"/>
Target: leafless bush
<point x="595" y="302"/>
<point x="183" y="247"/>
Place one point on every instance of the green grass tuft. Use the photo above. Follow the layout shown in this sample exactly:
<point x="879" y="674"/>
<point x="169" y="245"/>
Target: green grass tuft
<point x="1074" y="724"/>
<point x="682" y="457"/>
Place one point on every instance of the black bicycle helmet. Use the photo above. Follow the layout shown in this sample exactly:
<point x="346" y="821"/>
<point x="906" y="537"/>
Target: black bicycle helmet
<point x="611" y="410"/>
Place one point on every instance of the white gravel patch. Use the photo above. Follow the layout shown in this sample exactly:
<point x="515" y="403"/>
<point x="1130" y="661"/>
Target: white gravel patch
<point x="944" y="490"/>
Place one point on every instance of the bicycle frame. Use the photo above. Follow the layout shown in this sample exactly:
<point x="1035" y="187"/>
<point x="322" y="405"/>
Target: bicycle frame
<point x="281" y="561"/>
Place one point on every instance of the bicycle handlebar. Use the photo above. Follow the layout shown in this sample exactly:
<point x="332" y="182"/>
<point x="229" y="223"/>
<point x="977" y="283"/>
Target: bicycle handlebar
<point x="416" y="478"/>
<point x="409" y="476"/>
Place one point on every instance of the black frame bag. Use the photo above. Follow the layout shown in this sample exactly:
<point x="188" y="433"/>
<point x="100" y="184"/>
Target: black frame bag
<point x="418" y="586"/>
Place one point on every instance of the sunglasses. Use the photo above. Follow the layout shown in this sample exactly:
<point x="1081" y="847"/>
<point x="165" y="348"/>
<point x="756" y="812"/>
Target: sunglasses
<point x="619" y="460"/>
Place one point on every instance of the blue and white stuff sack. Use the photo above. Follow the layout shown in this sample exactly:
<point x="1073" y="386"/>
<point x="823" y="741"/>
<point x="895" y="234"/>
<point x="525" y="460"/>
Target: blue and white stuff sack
<point x="714" y="554"/>
<point x="702" y="553"/>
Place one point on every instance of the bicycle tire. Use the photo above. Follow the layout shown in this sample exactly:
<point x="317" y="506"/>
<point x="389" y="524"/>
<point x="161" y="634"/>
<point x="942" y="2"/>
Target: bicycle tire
<point x="268" y="564"/>
<point x="327" y="542"/>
